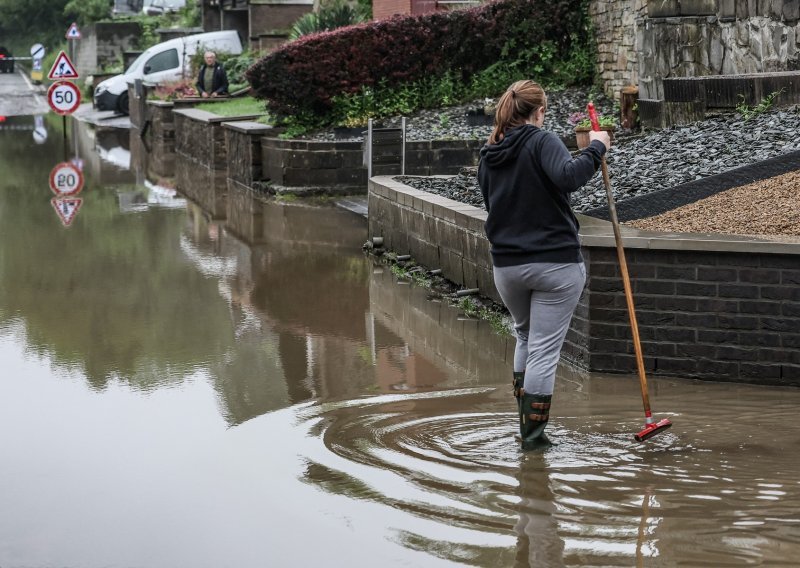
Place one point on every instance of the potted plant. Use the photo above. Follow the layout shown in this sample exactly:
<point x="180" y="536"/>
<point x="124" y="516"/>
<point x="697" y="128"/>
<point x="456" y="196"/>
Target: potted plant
<point x="582" y="124"/>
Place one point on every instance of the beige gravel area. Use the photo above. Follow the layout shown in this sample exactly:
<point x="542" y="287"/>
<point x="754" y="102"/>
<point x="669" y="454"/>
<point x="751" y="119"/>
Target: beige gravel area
<point x="770" y="207"/>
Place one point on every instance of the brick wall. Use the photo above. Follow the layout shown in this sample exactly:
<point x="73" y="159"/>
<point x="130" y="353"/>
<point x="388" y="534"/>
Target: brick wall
<point x="211" y="18"/>
<point x="339" y="165"/>
<point x="311" y="164"/>
<point x="268" y="18"/>
<point x="438" y="232"/>
<point x="708" y="314"/>
<point x="386" y="8"/>
<point x="731" y="315"/>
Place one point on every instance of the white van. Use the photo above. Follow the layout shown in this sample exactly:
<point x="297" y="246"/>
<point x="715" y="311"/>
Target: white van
<point x="163" y="63"/>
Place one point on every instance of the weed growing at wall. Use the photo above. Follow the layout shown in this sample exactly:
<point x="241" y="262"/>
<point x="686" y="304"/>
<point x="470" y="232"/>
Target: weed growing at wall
<point x="747" y="112"/>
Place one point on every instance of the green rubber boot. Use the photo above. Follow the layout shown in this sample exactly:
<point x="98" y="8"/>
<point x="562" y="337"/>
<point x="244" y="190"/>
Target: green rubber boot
<point x="534" y="414"/>
<point x="516" y="384"/>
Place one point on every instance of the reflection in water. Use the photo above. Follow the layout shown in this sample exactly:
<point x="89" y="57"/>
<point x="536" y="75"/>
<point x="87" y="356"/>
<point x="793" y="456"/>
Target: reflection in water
<point x="221" y="387"/>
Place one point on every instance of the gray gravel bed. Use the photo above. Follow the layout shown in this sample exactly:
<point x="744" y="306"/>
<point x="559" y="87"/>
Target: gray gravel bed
<point x="664" y="158"/>
<point x="451" y="124"/>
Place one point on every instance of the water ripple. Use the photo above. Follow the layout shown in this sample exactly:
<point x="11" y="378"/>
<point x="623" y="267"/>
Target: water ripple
<point x="597" y="498"/>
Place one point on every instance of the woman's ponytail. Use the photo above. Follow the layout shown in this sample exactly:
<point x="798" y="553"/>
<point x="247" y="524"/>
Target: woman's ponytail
<point x="515" y="107"/>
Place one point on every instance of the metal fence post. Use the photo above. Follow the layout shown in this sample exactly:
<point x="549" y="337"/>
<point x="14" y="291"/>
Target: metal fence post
<point x="403" y="147"/>
<point x="369" y="149"/>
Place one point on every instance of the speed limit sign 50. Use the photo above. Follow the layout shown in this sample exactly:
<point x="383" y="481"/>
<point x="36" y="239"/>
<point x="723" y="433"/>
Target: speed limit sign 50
<point x="66" y="179"/>
<point x="64" y="97"/>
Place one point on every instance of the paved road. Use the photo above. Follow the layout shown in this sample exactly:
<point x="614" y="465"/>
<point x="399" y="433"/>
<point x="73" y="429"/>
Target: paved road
<point x="17" y="98"/>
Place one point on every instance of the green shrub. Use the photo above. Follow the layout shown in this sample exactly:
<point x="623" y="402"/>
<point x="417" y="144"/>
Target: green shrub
<point x="236" y="65"/>
<point x="401" y="65"/>
<point x="332" y="15"/>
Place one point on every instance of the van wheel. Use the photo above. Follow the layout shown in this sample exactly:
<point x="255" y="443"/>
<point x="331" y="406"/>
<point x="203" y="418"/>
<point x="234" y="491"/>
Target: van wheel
<point x="122" y="103"/>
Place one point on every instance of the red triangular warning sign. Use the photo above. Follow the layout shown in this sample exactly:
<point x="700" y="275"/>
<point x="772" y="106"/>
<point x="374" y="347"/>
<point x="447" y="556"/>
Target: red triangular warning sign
<point x="73" y="32"/>
<point x="67" y="209"/>
<point x="62" y="68"/>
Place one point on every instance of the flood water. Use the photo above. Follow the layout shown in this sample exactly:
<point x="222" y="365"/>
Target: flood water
<point x="180" y="389"/>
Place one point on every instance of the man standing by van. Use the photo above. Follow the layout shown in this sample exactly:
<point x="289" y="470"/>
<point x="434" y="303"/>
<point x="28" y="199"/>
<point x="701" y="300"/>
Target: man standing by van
<point x="212" y="80"/>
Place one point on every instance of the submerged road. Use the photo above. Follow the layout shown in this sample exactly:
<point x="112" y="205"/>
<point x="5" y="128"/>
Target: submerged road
<point x="19" y="97"/>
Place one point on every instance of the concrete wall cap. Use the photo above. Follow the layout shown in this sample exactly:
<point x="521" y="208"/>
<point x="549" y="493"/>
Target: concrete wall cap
<point x="247" y="126"/>
<point x="599" y="233"/>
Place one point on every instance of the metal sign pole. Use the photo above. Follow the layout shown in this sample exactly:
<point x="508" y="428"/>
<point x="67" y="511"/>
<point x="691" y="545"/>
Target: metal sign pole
<point x="64" y="129"/>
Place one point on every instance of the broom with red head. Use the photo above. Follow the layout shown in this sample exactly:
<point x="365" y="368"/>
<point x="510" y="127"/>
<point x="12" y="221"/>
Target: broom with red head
<point x="651" y="427"/>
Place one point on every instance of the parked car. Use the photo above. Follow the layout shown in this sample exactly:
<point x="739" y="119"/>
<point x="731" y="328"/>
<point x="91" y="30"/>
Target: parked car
<point x="165" y="62"/>
<point x="158" y="7"/>
<point x="6" y="63"/>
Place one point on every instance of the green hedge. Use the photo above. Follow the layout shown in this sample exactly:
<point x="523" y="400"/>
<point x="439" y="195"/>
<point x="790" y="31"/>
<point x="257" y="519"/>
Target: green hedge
<point x="309" y="78"/>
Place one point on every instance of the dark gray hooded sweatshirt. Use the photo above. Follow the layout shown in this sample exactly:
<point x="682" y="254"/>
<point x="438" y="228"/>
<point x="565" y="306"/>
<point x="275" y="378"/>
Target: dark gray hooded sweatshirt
<point x="526" y="180"/>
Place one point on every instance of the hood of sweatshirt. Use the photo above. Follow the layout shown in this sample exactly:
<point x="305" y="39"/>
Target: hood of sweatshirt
<point x="507" y="150"/>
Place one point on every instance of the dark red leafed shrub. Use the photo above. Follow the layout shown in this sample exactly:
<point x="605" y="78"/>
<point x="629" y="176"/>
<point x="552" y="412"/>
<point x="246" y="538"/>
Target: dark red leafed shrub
<point x="303" y="76"/>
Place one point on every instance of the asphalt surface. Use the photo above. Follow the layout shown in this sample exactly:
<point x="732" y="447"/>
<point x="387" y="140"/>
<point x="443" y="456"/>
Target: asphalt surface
<point x="19" y="97"/>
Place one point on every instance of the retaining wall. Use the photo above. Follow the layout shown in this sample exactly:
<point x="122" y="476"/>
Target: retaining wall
<point x="712" y="307"/>
<point x="202" y="157"/>
<point x="314" y="165"/>
<point x="160" y="137"/>
<point x="243" y="143"/>
<point x="339" y="165"/>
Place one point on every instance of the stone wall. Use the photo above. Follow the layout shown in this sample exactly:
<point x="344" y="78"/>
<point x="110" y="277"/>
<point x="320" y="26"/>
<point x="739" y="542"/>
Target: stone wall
<point x="243" y="142"/>
<point x="641" y="42"/>
<point x="160" y="138"/>
<point x="135" y="113"/>
<point x="693" y="47"/>
<point x="710" y="307"/>
<point x="615" y="31"/>
<point x="202" y="158"/>
<point x="103" y="43"/>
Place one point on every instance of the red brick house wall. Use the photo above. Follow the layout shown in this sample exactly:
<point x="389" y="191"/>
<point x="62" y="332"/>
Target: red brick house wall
<point x="386" y="8"/>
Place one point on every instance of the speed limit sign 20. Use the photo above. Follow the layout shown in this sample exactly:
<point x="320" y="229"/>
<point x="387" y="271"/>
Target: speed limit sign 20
<point x="66" y="179"/>
<point x="64" y="97"/>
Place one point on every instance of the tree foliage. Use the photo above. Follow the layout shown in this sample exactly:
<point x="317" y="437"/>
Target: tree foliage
<point x="31" y="21"/>
<point x="87" y="11"/>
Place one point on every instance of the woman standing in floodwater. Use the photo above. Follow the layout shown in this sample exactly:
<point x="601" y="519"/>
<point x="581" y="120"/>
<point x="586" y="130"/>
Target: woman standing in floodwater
<point x="526" y="175"/>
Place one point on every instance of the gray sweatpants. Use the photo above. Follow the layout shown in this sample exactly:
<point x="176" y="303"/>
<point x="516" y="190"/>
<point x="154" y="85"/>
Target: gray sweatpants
<point x="541" y="297"/>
